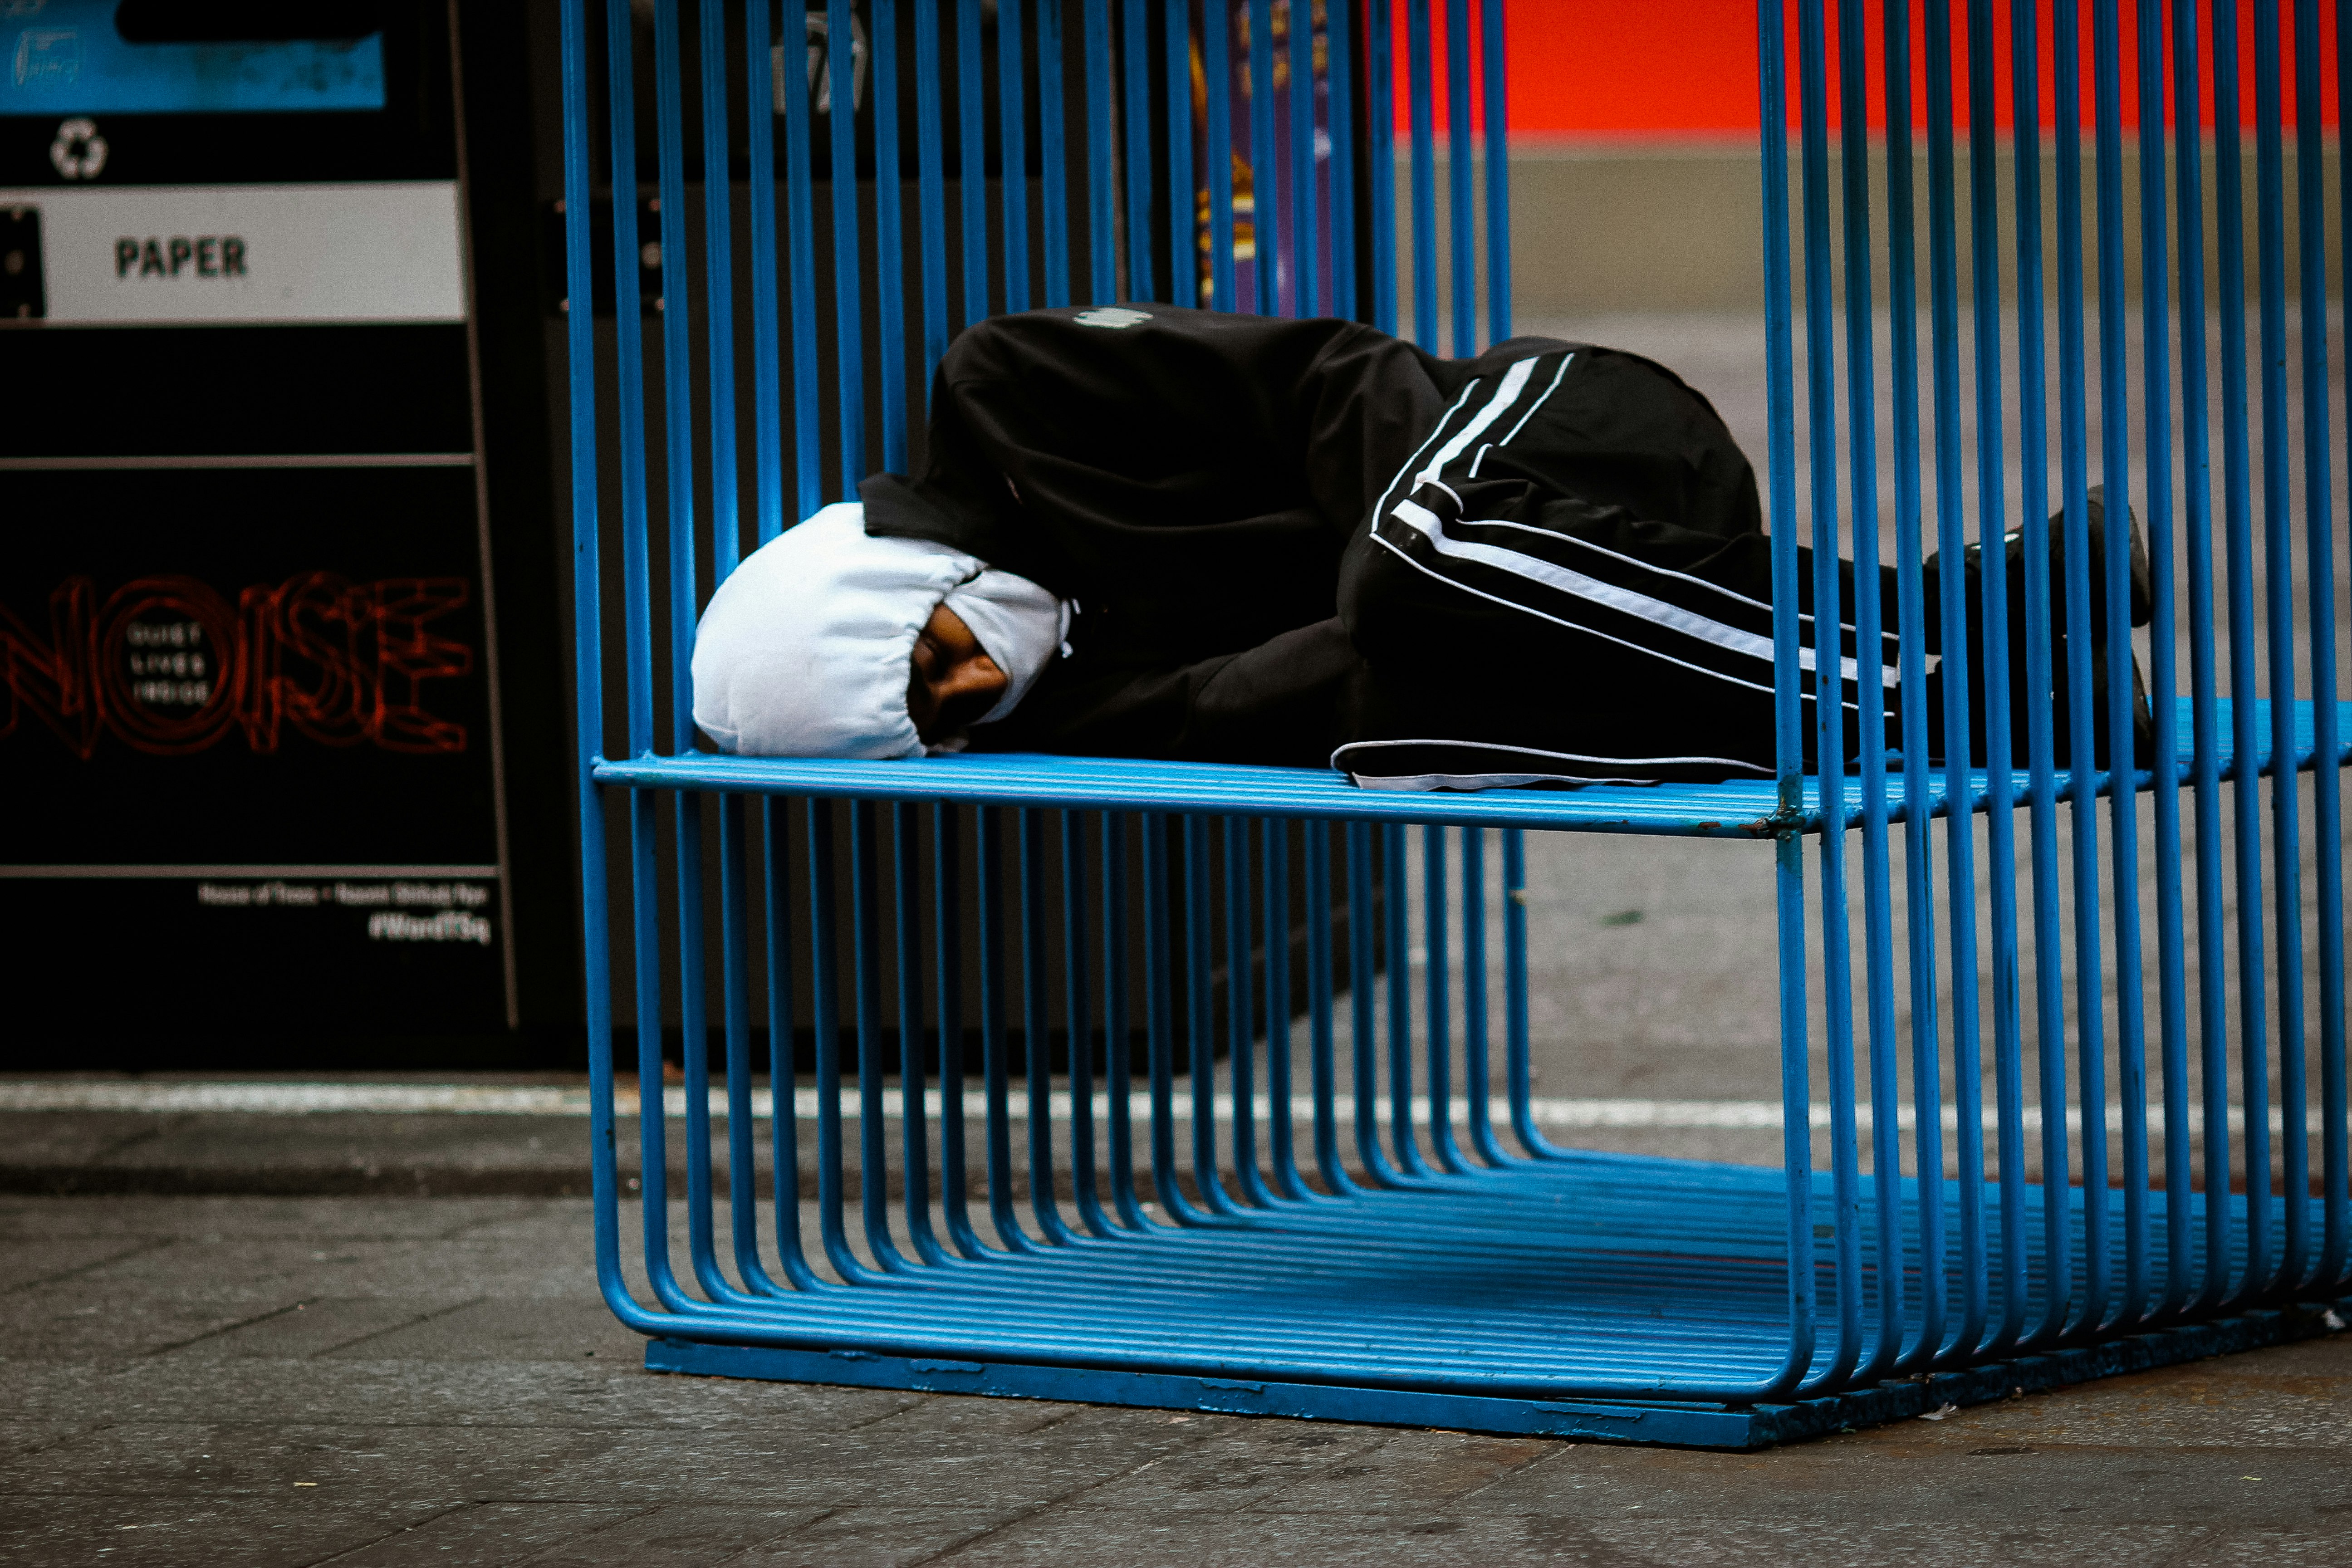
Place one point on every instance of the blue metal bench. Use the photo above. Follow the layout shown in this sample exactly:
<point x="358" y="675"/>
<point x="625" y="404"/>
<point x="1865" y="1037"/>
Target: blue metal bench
<point x="1403" y="1248"/>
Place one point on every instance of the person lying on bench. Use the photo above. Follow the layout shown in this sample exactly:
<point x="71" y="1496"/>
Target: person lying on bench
<point x="1148" y="531"/>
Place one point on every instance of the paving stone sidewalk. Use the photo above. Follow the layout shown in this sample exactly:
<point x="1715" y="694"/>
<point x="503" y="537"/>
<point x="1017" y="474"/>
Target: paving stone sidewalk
<point x="387" y="1381"/>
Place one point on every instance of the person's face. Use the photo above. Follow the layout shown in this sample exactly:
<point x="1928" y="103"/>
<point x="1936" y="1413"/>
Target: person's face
<point x="954" y="683"/>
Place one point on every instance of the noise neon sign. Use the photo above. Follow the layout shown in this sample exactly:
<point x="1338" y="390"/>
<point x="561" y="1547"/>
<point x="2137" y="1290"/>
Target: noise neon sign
<point x="169" y="666"/>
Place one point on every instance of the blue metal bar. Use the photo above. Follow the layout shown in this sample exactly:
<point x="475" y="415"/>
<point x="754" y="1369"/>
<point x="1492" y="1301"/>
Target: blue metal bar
<point x="679" y="528"/>
<point x="2229" y="296"/>
<point x="1827" y="694"/>
<point x="1461" y="182"/>
<point x="2278" y="586"/>
<point x="1517" y="1068"/>
<point x="1476" y="1071"/>
<point x="1054" y="155"/>
<point x="1159" y="985"/>
<point x="1201" y="1041"/>
<point x="1498" y="173"/>
<point x="1183" y="225"/>
<point x="629" y="377"/>
<point x="1118" y="1022"/>
<point x="1102" y="252"/>
<point x="2049" y="1022"/>
<point x="993" y="1067"/>
<point x="971" y="144"/>
<point x="1400" y="1018"/>
<point x="931" y="192"/>
<point x="2319" y="564"/>
<point x="1862" y="438"/>
<point x="677" y="379"/>
<point x="2082" y="718"/>
<point x="653" y="1148"/>
<point x="1380" y="159"/>
<point x="1036" y="1036"/>
<point x="1911" y="620"/>
<point x="1265" y="168"/>
<point x="783" y="1131"/>
<point x="580" y="332"/>
<point x="2001" y="855"/>
<point x="800" y="227"/>
<point x="1241" y="1032"/>
<point x="767" y="334"/>
<point x="1157" y="1020"/>
<point x="1738" y="810"/>
<point x="1078" y="1030"/>
<point x="906" y="964"/>
<point x="889" y="240"/>
<point x="2173" y="1002"/>
<point x="1281" y="1156"/>
<point x="1959" y="837"/>
<point x="1013" y="153"/>
<point x="637" y="622"/>
<point x="1364" y="900"/>
<point x="1339" y="118"/>
<point x="1217" y="41"/>
<point x="2196" y="450"/>
<point x="866" y="968"/>
<point x="947" y="938"/>
<point x="694" y="1023"/>
<point x="849" y="345"/>
<point x="2090" y="1024"/>
<point x="1320" y="1031"/>
<point x="1437" y="942"/>
<point x="718" y="264"/>
<point x="1137" y="60"/>
<point x="2122" y="832"/>
<point x="735" y="987"/>
<point x="1420" y="106"/>
<point x="825" y="990"/>
<point x="1788" y="719"/>
<point x="1306" y="216"/>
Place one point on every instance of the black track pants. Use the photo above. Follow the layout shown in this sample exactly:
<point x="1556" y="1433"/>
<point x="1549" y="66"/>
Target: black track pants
<point x="1521" y="628"/>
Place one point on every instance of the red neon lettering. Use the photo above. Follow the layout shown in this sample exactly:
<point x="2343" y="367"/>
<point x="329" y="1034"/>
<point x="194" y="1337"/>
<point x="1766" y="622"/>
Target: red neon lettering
<point x="52" y="678"/>
<point x="322" y="682"/>
<point x="168" y="667"/>
<point x="407" y="656"/>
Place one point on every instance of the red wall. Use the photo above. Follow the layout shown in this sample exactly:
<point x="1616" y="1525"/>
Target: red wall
<point x="1614" y="69"/>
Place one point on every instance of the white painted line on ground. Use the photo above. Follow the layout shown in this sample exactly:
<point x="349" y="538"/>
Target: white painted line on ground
<point x="471" y="1099"/>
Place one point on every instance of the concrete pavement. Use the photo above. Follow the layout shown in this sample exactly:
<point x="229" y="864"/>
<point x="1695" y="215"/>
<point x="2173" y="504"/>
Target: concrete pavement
<point x="396" y="1381"/>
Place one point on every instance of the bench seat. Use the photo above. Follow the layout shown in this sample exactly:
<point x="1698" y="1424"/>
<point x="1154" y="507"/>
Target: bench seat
<point x="1740" y="808"/>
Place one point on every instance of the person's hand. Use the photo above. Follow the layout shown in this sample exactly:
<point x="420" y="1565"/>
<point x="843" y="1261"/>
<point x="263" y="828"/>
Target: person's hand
<point x="954" y="683"/>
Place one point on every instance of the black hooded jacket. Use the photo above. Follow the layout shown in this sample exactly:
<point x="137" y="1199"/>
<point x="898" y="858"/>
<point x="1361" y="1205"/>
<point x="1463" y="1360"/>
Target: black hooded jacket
<point x="1193" y="481"/>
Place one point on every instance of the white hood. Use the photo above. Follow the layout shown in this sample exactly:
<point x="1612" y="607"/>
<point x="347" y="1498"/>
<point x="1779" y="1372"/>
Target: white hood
<point x="806" y="649"/>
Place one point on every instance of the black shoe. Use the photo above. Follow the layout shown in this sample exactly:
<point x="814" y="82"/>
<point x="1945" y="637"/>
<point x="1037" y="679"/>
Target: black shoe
<point x="2142" y="596"/>
<point x="2142" y="607"/>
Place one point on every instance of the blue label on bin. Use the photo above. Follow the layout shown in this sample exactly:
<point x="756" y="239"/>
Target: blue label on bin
<point x="65" y="57"/>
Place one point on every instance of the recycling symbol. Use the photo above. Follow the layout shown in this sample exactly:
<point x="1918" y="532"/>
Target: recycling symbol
<point x="79" y="151"/>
